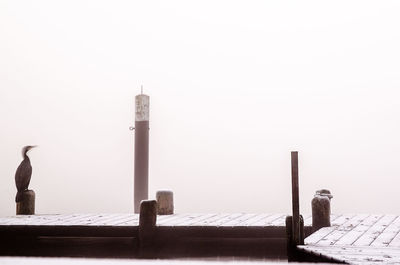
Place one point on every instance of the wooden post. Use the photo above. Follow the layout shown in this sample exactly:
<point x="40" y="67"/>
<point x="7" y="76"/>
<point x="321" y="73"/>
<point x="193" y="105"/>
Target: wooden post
<point x="165" y="202"/>
<point x="141" y="182"/>
<point x="292" y="252"/>
<point x="147" y="223"/>
<point x="295" y="199"/>
<point x="321" y="209"/>
<point x="27" y="204"/>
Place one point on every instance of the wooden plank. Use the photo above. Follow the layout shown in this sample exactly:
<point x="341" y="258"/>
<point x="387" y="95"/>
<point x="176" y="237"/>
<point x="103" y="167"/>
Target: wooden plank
<point x="73" y="220"/>
<point x="358" y="231"/>
<point x="238" y="221"/>
<point x="334" y="217"/>
<point x="85" y="220"/>
<point x="268" y="220"/>
<point x="387" y="234"/>
<point x="65" y="219"/>
<point x="308" y="219"/>
<point x="185" y="219"/>
<point x="164" y="218"/>
<point x="117" y="219"/>
<point x="6" y="220"/>
<point x="170" y="220"/>
<point x="255" y="219"/>
<point x="130" y="222"/>
<point x="395" y="241"/>
<point x="220" y="232"/>
<point x="356" y="255"/>
<point x="105" y="218"/>
<point x="129" y="218"/>
<point x="281" y="221"/>
<point x="207" y="221"/>
<point x="69" y="231"/>
<point x="62" y="218"/>
<point x="323" y="232"/>
<point x="354" y="249"/>
<point x="108" y="261"/>
<point x="340" y="231"/>
<point x="198" y="218"/>
<point x="226" y="219"/>
<point x="25" y="219"/>
<point x="373" y="232"/>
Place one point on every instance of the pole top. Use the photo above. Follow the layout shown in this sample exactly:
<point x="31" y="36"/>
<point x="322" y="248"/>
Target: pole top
<point x="142" y="105"/>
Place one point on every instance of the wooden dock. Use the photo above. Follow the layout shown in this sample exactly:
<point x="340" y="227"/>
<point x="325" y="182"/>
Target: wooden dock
<point x="352" y="239"/>
<point x="119" y="235"/>
<point x="357" y="239"/>
<point x="237" y="225"/>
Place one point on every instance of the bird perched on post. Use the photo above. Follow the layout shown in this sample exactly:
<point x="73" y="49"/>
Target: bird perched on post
<point x="23" y="173"/>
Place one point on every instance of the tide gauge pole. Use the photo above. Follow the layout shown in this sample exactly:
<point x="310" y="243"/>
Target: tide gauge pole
<point x="141" y="171"/>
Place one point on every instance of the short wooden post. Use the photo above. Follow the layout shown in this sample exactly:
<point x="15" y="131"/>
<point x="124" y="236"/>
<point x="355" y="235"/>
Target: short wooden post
<point x="165" y="202"/>
<point x="147" y="223"/>
<point x="321" y="209"/>
<point x="27" y="204"/>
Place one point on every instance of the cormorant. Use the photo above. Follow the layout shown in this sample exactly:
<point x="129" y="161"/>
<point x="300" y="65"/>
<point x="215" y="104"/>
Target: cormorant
<point x="23" y="173"/>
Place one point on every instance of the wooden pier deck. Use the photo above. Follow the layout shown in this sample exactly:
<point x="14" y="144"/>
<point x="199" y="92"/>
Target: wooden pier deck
<point x="357" y="239"/>
<point x="242" y="225"/>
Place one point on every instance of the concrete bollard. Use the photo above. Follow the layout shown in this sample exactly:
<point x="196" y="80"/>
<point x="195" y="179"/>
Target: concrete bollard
<point x="321" y="209"/>
<point x="27" y="204"/>
<point x="165" y="202"/>
<point x="147" y="223"/>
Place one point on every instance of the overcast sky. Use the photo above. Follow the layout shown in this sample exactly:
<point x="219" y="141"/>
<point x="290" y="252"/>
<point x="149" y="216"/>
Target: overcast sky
<point x="234" y="86"/>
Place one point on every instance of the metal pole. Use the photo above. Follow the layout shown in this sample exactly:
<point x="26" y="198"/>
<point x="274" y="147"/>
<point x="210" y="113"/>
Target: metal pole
<point x="295" y="198"/>
<point x="141" y="182"/>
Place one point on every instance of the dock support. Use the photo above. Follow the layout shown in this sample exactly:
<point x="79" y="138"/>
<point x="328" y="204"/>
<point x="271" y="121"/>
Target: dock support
<point x="147" y="223"/>
<point x="27" y="205"/>
<point x="165" y="202"/>
<point x="321" y="209"/>
<point x="141" y="181"/>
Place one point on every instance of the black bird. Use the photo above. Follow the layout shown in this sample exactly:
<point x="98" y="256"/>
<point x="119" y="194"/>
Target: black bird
<point x="23" y="173"/>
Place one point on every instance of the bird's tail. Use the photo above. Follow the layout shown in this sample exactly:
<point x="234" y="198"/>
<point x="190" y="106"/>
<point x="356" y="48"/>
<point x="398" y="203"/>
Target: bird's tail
<point x="18" y="197"/>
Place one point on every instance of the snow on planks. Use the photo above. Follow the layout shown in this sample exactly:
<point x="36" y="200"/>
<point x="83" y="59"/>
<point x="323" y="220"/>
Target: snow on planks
<point x="358" y="239"/>
<point x="126" y="225"/>
<point x="234" y="219"/>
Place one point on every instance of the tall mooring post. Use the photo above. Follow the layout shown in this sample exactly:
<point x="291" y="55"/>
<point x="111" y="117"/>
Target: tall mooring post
<point x="295" y="198"/>
<point x="141" y="182"/>
<point x="294" y="223"/>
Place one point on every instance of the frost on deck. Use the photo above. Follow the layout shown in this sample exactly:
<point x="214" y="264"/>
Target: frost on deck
<point x="358" y="239"/>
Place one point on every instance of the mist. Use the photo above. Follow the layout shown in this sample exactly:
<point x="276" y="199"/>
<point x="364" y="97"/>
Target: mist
<point x="234" y="86"/>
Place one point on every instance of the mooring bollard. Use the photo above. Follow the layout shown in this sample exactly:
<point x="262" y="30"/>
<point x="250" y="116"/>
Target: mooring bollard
<point x="321" y="209"/>
<point x="165" y="202"/>
<point x="147" y="223"/>
<point x="27" y="204"/>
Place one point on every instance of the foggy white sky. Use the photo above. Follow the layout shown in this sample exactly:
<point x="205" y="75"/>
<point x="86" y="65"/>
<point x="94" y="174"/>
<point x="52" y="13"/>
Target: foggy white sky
<point x="234" y="86"/>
